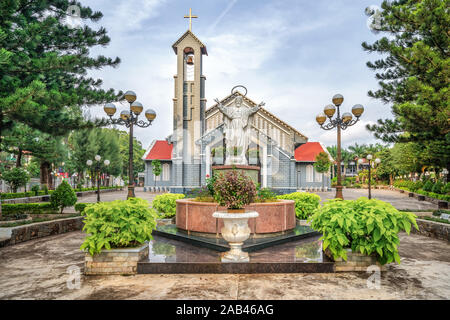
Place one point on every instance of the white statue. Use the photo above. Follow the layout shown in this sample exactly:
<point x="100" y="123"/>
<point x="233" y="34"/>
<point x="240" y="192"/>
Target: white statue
<point x="236" y="118"/>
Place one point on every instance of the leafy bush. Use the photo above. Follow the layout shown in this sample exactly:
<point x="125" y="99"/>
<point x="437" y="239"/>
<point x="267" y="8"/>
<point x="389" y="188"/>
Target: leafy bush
<point x="80" y="206"/>
<point x="117" y="224"/>
<point x="27" y="208"/>
<point x="63" y="196"/>
<point x="365" y="226"/>
<point x="428" y="186"/>
<point x="165" y="204"/>
<point x="44" y="188"/>
<point x="210" y="184"/>
<point x="16" y="178"/>
<point x="266" y="195"/>
<point x="234" y="189"/>
<point x="35" y="189"/>
<point x="446" y="188"/>
<point x="437" y="188"/>
<point x="305" y="203"/>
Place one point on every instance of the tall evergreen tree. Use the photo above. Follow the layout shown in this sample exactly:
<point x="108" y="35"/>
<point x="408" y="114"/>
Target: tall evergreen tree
<point x="414" y="75"/>
<point x="44" y="65"/>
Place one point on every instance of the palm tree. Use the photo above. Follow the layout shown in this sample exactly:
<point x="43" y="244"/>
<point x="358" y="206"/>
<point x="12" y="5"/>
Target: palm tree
<point x="358" y="150"/>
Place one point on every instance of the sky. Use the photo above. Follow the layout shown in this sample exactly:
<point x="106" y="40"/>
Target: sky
<point x="294" y="55"/>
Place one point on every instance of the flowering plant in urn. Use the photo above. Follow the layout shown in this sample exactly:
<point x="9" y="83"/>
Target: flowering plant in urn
<point x="234" y="190"/>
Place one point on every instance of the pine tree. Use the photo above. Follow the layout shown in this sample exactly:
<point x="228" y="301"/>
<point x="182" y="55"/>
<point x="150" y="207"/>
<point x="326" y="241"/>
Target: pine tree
<point x="43" y="80"/>
<point x="414" y="75"/>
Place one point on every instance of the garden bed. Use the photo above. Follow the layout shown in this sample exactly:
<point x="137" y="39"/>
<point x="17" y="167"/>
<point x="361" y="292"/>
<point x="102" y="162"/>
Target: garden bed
<point x="44" y="198"/>
<point x="32" y="231"/>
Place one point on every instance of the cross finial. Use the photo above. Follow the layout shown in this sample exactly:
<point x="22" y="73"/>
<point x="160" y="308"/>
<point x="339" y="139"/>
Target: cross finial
<point x="190" y="17"/>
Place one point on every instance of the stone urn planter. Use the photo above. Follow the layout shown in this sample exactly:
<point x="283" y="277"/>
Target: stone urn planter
<point x="235" y="232"/>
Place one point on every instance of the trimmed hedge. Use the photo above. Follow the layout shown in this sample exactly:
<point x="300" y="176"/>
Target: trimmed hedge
<point x="80" y="206"/>
<point x="28" y="208"/>
<point x="305" y="203"/>
<point x="15" y="195"/>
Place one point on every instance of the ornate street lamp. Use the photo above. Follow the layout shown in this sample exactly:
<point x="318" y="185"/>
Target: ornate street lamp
<point x="376" y="161"/>
<point x="97" y="171"/>
<point x="129" y="118"/>
<point x="341" y="123"/>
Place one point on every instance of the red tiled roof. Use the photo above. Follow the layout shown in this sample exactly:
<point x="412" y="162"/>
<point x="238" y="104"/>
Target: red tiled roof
<point x="307" y="152"/>
<point x="161" y="150"/>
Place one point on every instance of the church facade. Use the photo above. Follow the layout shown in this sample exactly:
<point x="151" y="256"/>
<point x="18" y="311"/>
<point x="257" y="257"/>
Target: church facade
<point x="283" y="155"/>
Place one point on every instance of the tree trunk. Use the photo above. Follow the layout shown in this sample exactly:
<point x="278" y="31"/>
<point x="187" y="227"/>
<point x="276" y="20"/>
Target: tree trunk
<point x="19" y="159"/>
<point x="44" y="172"/>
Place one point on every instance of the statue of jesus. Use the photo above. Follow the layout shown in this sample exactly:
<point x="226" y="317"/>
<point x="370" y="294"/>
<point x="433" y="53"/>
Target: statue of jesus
<point x="236" y="118"/>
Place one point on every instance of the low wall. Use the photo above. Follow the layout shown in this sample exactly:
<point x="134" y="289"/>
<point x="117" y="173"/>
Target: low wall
<point x="273" y="216"/>
<point x="39" y="230"/>
<point x="432" y="229"/>
<point x="442" y="204"/>
<point x="115" y="261"/>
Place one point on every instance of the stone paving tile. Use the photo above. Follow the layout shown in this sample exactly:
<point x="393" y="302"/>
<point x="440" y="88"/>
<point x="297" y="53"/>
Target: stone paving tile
<point x="38" y="270"/>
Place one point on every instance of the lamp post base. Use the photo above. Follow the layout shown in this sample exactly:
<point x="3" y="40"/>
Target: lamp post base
<point x="339" y="193"/>
<point x="131" y="192"/>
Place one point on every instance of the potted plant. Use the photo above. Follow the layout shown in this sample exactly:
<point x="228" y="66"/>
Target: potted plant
<point x="359" y="233"/>
<point x="117" y="235"/>
<point x="234" y="190"/>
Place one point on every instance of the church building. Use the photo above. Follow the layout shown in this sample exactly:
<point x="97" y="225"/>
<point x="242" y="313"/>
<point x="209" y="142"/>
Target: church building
<point x="283" y="154"/>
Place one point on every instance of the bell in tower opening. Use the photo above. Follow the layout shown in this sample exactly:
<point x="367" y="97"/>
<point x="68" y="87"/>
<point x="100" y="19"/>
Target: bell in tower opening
<point x="188" y="64"/>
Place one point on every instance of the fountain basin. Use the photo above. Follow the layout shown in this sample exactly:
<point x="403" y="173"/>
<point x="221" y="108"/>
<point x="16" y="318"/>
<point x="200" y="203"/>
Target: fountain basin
<point x="274" y="217"/>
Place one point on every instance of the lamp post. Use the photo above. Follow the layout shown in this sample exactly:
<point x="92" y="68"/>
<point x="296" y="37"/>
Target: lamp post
<point x="97" y="171"/>
<point x="129" y="118"/>
<point x="376" y="161"/>
<point x="341" y="123"/>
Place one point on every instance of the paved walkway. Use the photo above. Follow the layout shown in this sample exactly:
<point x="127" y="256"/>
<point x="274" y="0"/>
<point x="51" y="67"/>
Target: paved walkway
<point x="397" y="199"/>
<point x="38" y="270"/>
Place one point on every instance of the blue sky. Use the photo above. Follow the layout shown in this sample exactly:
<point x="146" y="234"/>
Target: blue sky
<point x="293" y="55"/>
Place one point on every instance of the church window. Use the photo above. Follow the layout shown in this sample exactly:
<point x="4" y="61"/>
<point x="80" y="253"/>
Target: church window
<point x="189" y="64"/>
<point x="166" y="172"/>
<point x="318" y="176"/>
<point x="309" y="173"/>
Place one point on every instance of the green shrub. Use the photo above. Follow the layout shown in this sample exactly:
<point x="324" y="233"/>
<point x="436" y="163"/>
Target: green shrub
<point x="416" y="186"/>
<point x="428" y="186"/>
<point x="266" y="195"/>
<point x="80" y="206"/>
<point x="63" y="196"/>
<point x="15" y="195"/>
<point x="305" y="203"/>
<point x="446" y="188"/>
<point x="118" y="224"/>
<point x="165" y="204"/>
<point x="437" y="188"/>
<point x="28" y="208"/>
<point x="365" y="226"/>
<point x="234" y="189"/>
<point x="44" y="188"/>
<point x="35" y="189"/>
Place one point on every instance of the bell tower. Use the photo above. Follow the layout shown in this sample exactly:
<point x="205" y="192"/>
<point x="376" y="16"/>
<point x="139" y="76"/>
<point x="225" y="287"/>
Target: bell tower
<point x="189" y="106"/>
